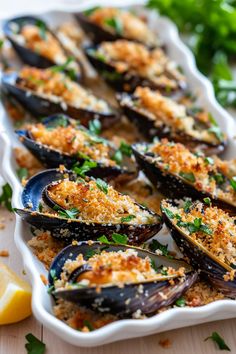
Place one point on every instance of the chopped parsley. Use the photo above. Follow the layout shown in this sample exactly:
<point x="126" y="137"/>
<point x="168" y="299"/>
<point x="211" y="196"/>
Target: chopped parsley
<point x="195" y="226"/>
<point x="64" y="67"/>
<point x="95" y="126"/>
<point x="34" y="345"/>
<point x="168" y="213"/>
<point x="22" y="173"/>
<point x="219" y="341"/>
<point x="217" y="132"/>
<point x="219" y="178"/>
<point x="5" y="197"/>
<point x="103" y="239"/>
<point x="68" y="214"/>
<point x="153" y="265"/>
<point x="233" y="182"/>
<point x="188" y="176"/>
<point x="207" y="200"/>
<point x="102" y="185"/>
<point x="156" y="245"/>
<point x="187" y="206"/>
<point x="42" y="29"/>
<point x="91" y="11"/>
<point x="88" y="324"/>
<point x="125" y="149"/>
<point x="86" y="167"/>
<point x="115" y="23"/>
<point x="119" y="238"/>
<point x="40" y="207"/>
<point x="180" y="302"/>
<point x="111" y="76"/>
<point x="117" y="157"/>
<point x="128" y="218"/>
<point x="209" y="161"/>
<point x="60" y="121"/>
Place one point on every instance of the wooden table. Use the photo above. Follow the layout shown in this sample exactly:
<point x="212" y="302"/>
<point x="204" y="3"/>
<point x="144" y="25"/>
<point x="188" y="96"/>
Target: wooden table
<point x="186" y="340"/>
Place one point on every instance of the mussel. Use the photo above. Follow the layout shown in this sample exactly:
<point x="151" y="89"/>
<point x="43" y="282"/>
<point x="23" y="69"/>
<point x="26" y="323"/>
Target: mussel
<point x="44" y="92"/>
<point x="77" y="208"/>
<point x="178" y="173"/>
<point x="59" y="140"/>
<point x="110" y="24"/>
<point x="36" y="44"/>
<point x="142" y="281"/>
<point x="206" y="235"/>
<point x="162" y="117"/>
<point x="126" y="65"/>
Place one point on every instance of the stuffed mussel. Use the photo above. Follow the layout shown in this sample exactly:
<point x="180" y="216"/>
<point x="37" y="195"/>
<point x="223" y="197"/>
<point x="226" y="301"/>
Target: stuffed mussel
<point x="59" y="140"/>
<point x="179" y="173"/>
<point x="207" y="236"/>
<point x="46" y="91"/>
<point x="71" y="207"/>
<point x="118" y="279"/>
<point x="126" y="65"/>
<point x="158" y="116"/>
<point x="37" y="45"/>
<point x="110" y="24"/>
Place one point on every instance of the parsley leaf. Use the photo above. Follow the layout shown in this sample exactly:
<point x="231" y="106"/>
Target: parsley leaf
<point x="88" y="324"/>
<point x="42" y="29"/>
<point x="233" y="182"/>
<point x="34" y="345"/>
<point x="103" y="239"/>
<point x="69" y="214"/>
<point x="22" y="173"/>
<point x="119" y="238"/>
<point x="64" y="67"/>
<point x="187" y="206"/>
<point x="125" y="149"/>
<point x="117" y="157"/>
<point x="95" y="126"/>
<point x="209" y="161"/>
<point x="207" y="200"/>
<point x="188" y="176"/>
<point x="156" y="245"/>
<point x="219" y="341"/>
<point x="60" y="121"/>
<point x="180" y="302"/>
<point x="82" y="170"/>
<point x="115" y="23"/>
<point x="128" y="218"/>
<point x="102" y="185"/>
<point x="168" y="213"/>
<point x="91" y="11"/>
<point x="5" y="197"/>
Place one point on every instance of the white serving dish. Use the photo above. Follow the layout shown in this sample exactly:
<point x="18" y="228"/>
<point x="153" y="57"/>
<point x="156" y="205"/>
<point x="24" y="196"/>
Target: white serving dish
<point x="41" y="302"/>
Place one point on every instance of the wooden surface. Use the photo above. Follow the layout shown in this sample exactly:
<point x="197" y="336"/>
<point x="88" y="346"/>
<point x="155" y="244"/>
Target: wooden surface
<point x="186" y="340"/>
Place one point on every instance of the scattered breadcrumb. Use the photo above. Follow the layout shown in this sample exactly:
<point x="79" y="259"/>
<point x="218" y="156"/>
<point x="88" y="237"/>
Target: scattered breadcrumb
<point x="26" y="160"/>
<point x="44" y="279"/>
<point x="4" y="253"/>
<point x="165" y="343"/>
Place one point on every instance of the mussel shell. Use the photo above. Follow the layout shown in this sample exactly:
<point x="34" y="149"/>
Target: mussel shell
<point x="170" y="185"/>
<point x="42" y="107"/>
<point x="123" y="301"/>
<point x="200" y="258"/>
<point x="126" y="81"/>
<point x="147" y="128"/>
<point x="52" y="158"/>
<point x="68" y="229"/>
<point x="26" y="55"/>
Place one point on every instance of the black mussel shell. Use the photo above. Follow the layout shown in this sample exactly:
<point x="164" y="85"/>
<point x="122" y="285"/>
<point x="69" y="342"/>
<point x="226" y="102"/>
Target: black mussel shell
<point x="148" y="129"/>
<point x="147" y="297"/>
<point x="170" y="185"/>
<point x="68" y="229"/>
<point x="52" y="158"/>
<point x="126" y="81"/>
<point x="42" y="107"/>
<point x="26" y="55"/>
<point x="200" y="258"/>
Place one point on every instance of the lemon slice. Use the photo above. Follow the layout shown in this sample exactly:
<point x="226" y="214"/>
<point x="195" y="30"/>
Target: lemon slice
<point x="15" y="297"/>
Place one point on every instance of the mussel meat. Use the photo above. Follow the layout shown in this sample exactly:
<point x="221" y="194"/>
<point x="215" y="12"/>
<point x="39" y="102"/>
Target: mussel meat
<point x="117" y="278"/>
<point x="37" y="45"/>
<point x="207" y="236"/>
<point x="110" y="24"/>
<point x="126" y="65"/>
<point x="178" y="173"/>
<point x="59" y="140"/>
<point x="77" y="208"/>
<point x="45" y="91"/>
<point x="162" y="117"/>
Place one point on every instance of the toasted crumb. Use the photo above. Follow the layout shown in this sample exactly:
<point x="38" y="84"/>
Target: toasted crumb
<point x="165" y="343"/>
<point x="44" y="279"/>
<point x="4" y="253"/>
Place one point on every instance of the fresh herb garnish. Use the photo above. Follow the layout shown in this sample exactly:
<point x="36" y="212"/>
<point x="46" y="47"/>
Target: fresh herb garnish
<point x="219" y="178"/>
<point x="42" y="29"/>
<point x="187" y="206"/>
<point x="219" y="341"/>
<point x="69" y="214"/>
<point x="115" y="23"/>
<point x="124" y="149"/>
<point x="217" y="132"/>
<point x="207" y="200"/>
<point x="40" y="207"/>
<point x="95" y="126"/>
<point x="5" y="197"/>
<point x="209" y="161"/>
<point x="60" y="121"/>
<point x="86" y="167"/>
<point x="1" y="43"/>
<point x="188" y="176"/>
<point x="195" y="226"/>
<point x="153" y="265"/>
<point x="90" y="253"/>
<point x="34" y="345"/>
<point x="128" y="218"/>
<point x="111" y="76"/>
<point x="169" y="213"/>
<point x="156" y="245"/>
<point x="88" y="324"/>
<point x="102" y="185"/>
<point x="119" y="238"/>
<point x="180" y="302"/>
<point x="103" y="239"/>
<point x="91" y="11"/>
<point x="117" y="157"/>
<point x="233" y="182"/>
<point x="65" y="67"/>
<point x="22" y="173"/>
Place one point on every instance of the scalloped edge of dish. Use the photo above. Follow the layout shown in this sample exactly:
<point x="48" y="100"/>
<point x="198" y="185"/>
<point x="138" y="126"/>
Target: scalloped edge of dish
<point x="128" y="328"/>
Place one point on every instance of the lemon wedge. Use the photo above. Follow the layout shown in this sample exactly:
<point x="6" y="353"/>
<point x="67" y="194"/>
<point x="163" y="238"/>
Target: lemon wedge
<point x="15" y="297"/>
